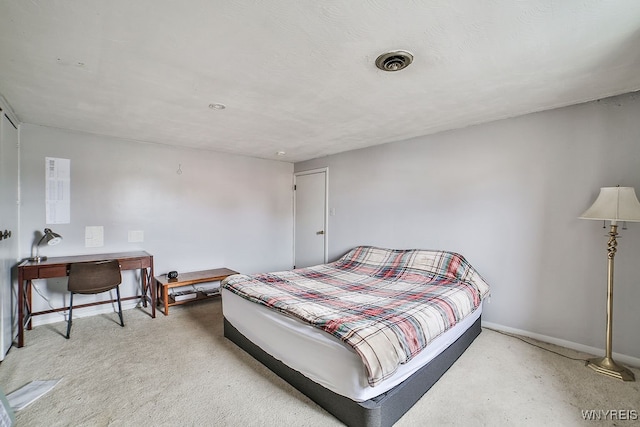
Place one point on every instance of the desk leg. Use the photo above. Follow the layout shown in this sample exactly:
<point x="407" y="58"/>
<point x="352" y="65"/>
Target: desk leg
<point x="20" y="308"/>
<point x="148" y="288"/>
<point x="28" y="305"/>
<point x="145" y="287"/>
<point x="154" y="291"/>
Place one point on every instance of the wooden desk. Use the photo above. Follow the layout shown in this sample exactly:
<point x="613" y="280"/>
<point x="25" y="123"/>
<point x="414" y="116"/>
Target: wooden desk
<point x="59" y="267"/>
<point x="186" y="279"/>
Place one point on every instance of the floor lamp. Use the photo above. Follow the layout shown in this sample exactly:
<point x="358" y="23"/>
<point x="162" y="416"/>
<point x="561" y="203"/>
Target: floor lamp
<point x="613" y="204"/>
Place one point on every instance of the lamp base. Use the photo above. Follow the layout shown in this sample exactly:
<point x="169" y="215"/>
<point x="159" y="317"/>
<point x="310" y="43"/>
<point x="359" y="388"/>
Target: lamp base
<point x="38" y="258"/>
<point x="606" y="366"/>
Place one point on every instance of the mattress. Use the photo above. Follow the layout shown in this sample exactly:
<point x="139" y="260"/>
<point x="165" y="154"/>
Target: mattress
<point x="321" y="357"/>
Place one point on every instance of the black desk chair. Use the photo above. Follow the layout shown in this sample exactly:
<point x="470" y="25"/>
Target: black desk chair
<point x="93" y="278"/>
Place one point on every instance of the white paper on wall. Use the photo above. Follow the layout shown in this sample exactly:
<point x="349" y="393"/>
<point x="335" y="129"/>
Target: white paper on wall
<point x="58" y="190"/>
<point x="94" y="236"/>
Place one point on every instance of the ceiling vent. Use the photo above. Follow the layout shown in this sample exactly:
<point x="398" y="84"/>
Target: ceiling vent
<point x="394" y="61"/>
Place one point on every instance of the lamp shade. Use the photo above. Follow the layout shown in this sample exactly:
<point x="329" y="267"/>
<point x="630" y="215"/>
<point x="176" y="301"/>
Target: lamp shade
<point x="615" y="204"/>
<point x="50" y="238"/>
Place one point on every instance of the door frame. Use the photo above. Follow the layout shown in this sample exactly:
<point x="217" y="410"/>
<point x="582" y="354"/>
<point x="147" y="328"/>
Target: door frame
<point x="14" y="251"/>
<point x="324" y="170"/>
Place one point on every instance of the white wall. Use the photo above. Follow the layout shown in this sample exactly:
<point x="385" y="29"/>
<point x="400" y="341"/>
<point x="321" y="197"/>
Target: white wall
<point x="222" y="211"/>
<point x="507" y="196"/>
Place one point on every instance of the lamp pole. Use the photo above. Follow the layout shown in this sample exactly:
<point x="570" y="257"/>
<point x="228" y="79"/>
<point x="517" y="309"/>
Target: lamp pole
<point x="611" y="253"/>
<point x="606" y="365"/>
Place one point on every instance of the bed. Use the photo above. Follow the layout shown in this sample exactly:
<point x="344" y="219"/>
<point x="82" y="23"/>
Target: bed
<point x="365" y="336"/>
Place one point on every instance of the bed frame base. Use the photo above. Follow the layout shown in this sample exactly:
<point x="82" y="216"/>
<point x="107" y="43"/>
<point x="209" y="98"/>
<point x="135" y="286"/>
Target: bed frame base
<point x="380" y="411"/>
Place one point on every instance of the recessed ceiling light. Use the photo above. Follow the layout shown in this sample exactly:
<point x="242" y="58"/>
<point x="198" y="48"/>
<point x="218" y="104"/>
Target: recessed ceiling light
<point x="281" y="153"/>
<point x="394" y="61"/>
<point x="217" y="106"/>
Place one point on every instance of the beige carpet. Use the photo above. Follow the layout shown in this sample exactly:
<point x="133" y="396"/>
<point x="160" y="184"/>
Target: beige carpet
<point x="180" y="371"/>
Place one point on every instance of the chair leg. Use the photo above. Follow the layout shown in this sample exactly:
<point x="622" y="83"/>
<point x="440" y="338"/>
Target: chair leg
<point x="119" y="306"/>
<point x="70" y="316"/>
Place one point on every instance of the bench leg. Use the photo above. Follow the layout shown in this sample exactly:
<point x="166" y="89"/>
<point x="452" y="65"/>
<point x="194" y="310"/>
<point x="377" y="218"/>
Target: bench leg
<point x="165" y="299"/>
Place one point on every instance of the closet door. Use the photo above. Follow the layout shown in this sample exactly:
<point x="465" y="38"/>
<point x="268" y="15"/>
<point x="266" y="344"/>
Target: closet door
<point x="310" y="211"/>
<point x="8" y="229"/>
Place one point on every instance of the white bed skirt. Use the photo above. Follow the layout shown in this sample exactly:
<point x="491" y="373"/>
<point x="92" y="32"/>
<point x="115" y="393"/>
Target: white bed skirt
<point x="320" y="356"/>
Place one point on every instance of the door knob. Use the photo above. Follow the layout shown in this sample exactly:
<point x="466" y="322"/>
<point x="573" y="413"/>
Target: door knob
<point x="5" y="235"/>
<point x="320" y="232"/>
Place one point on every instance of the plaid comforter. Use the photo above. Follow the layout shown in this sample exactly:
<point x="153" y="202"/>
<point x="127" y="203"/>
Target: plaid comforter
<point x="386" y="304"/>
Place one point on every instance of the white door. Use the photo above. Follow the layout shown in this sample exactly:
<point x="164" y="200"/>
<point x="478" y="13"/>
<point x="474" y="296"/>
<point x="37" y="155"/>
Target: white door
<point x="310" y="218"/>
<point x="8" y="224"/>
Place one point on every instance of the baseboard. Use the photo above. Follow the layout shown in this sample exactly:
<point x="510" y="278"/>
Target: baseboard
<point x="622" y="358"/>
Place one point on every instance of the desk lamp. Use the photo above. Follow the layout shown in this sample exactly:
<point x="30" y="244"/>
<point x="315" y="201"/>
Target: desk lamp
<point x="613" y="204"/>
<point x="50" y="239"/>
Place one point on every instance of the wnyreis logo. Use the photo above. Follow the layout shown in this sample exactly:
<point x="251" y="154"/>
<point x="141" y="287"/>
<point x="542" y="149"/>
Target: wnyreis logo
<point x="609" y="414"/>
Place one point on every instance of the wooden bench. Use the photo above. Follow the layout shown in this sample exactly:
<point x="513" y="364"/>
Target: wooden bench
<point x="186" y="279"/>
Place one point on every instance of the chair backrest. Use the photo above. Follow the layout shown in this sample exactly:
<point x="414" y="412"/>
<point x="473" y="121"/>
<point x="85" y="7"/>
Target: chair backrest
<point x="94" y="277"/>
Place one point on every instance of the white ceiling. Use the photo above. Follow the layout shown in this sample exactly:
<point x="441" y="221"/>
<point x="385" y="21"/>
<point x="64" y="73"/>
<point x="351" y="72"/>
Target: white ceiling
<point x="299" y="76"/>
